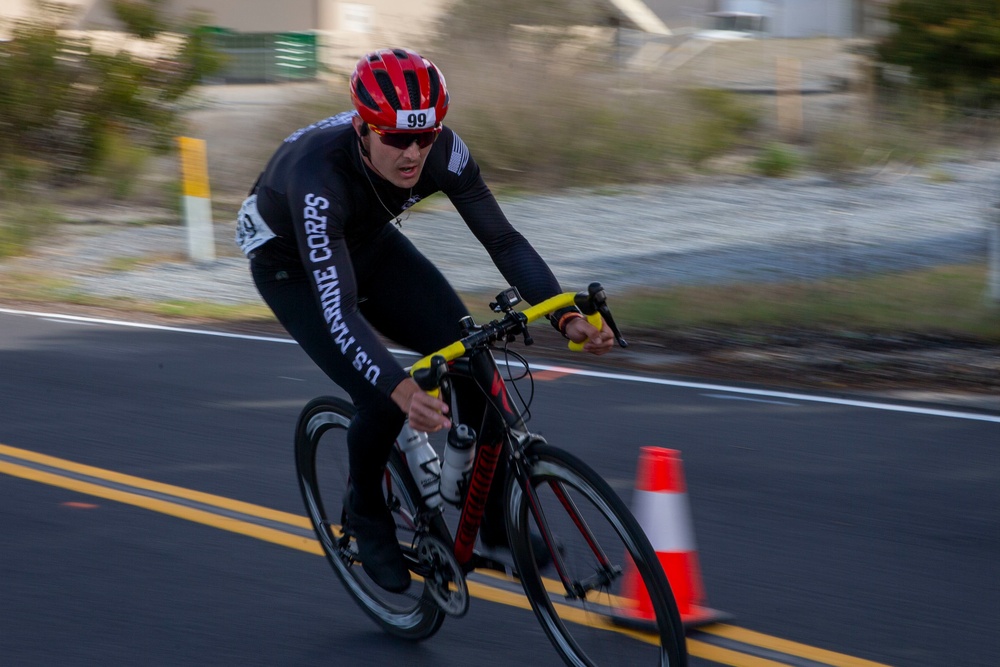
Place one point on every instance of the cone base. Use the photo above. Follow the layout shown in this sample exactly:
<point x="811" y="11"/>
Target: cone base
<point x="695" y="618"/>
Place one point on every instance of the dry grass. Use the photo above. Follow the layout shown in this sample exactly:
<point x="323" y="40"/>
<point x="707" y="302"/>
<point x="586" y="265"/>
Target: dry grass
<point x="947" y="300"/>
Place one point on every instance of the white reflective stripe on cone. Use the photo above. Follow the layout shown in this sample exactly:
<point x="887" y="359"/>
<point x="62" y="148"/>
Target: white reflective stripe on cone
<point x="665" y="518"/>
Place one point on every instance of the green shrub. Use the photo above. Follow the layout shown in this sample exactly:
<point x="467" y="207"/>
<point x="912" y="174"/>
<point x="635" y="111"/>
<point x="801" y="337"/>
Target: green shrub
<point x="776" y="160"/>
<point x="950" y="46"/>
<point x="20" y="224"/>
<point x="76" y="106"/>
<point x="121" y="164"/>
<point x="720" y="120"/>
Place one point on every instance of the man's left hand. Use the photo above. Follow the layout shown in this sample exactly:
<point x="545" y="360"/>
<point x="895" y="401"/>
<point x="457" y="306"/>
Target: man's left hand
<point x="595" y="341"/>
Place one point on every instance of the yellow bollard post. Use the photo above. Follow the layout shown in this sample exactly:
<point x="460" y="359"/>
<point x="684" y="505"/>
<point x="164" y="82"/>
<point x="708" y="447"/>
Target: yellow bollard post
<point x="197" y="200"/>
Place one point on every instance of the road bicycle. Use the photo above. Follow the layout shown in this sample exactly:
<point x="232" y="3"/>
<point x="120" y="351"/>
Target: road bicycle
<point x="577" y="552"/>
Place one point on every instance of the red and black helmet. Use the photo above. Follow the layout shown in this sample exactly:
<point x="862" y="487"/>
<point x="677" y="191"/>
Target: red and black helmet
<point x="397" y="89"/>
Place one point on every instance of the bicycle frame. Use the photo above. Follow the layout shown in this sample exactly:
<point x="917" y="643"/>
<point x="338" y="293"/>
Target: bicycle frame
<point x="480" y="365"/>
<point x="482" y="368"/>
<point x="472" y="357"/>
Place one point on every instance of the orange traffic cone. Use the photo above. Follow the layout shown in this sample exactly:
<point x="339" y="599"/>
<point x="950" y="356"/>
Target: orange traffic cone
<point x="660" y="505"/>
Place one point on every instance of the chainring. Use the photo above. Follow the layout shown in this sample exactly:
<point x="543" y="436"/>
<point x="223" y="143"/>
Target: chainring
<point x="445" y="580"/>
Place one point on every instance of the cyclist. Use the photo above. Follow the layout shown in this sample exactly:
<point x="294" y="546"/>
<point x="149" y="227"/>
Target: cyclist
<point x="334" y="270"/>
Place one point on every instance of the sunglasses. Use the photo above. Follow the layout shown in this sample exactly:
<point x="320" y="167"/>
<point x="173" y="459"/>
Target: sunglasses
<point x="403" y="140"/>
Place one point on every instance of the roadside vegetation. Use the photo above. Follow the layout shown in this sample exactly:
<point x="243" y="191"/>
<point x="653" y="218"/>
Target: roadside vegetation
<point x="943" y="301"/>
<point x="543" y="109"/>
<point x="84" y="116"/>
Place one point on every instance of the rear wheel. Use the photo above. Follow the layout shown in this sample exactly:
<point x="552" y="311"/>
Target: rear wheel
<point x="605" y="599"/>
<point x="322" y="464"/>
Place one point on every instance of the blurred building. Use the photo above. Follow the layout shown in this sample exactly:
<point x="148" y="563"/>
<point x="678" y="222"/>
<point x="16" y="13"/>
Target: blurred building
<point x="271" y="41"/>
<point x="295" y="39"/>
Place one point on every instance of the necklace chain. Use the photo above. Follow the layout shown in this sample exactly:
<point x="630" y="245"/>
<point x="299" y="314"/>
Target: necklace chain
<point x="398" y="216"/>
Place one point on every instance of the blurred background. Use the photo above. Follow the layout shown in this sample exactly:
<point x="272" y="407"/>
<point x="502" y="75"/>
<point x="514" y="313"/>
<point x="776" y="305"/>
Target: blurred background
<point x="856" y="139"/>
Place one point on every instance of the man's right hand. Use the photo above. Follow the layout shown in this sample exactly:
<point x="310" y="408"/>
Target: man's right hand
<point x="425" y="412"/>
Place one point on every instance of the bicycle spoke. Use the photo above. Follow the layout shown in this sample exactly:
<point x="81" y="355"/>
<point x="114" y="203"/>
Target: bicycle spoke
<point x="322" y="462"/>
<point x="584" y="610"/>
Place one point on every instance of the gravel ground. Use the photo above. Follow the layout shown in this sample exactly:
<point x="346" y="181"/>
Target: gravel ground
<point x="735" y="231"/>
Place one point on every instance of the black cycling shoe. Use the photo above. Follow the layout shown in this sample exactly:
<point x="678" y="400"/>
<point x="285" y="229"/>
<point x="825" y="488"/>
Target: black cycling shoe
<point x="378" y="548"/>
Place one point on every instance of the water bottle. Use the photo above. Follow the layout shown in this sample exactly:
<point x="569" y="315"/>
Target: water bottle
<point x="459" y="453"/>
<point x="423" y="462"/>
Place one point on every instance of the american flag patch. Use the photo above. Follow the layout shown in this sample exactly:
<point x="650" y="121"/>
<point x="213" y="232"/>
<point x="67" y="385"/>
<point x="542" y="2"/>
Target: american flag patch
<point x="459" y="155"/>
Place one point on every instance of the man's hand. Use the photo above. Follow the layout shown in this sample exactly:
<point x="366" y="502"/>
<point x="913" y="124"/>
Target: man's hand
<point x="425" y="412"/>
<point x="595" y="341"/>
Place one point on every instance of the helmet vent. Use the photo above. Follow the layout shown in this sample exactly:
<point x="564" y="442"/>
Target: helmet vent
<point x="385" y="83"/>
<point x="432" y="73"/>
<point x="365" y="97"/>
<point x="412" y="88"/>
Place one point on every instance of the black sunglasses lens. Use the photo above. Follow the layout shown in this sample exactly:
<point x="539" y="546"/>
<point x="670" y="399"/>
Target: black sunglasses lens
<point x="425" y="139"/>
<point x="402" y="140"/>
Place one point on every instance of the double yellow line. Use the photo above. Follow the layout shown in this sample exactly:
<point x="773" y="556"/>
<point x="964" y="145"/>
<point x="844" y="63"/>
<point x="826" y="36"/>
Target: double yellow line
<point x="720" y="643"/>
<point x="255" y="521"/>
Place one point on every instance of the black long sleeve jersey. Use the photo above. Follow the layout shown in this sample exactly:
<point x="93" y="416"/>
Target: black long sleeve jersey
<point x="320" y="204"/>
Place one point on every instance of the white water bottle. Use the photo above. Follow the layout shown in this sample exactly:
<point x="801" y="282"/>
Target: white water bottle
<point x="459" y="454"/>
<point x="423" y="463"/>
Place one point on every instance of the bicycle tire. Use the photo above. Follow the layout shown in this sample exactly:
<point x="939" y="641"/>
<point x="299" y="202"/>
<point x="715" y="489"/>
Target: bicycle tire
<point x="321" y="464"/>
<point x="599" y="629"/>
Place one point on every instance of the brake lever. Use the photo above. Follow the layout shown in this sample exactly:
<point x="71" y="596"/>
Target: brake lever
<point x="600" y="300"/>
<point x="593" y="301"/>
<point x="606" y="314"/>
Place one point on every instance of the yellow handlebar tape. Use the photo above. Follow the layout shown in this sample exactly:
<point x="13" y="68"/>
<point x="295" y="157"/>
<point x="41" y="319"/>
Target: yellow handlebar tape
<point x="538" y="311"/>
<point x="594" y="319"/>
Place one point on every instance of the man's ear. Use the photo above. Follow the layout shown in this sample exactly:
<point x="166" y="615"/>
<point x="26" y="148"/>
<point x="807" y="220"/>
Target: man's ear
<point x="360" y="126"/>
<point x="361" y="129"/>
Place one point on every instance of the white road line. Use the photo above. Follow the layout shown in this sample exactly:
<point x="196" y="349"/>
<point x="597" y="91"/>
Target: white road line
<point x="741" y="391"/>
<point x="744" y="398"/>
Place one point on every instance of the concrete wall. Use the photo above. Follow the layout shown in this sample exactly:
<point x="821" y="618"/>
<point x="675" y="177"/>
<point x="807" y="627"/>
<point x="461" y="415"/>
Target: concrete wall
<point x="801" y="18"/>
<point x="351" y="29"/>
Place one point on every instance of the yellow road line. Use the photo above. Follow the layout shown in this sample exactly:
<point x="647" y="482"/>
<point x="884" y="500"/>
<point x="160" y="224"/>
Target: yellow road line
<point x="157" y="487"/>
<point x="696" y="648"/>
<point x="787" y="646"/>
<point x="728" y="656"/>
<point x="166" y="507"/>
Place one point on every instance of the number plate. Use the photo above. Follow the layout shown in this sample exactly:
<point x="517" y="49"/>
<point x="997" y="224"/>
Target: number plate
<point x="251" y="230"/>
<point x="415" y="120"/>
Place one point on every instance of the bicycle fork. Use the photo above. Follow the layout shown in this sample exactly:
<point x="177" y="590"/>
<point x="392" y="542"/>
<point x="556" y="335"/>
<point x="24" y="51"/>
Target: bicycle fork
<point x="575" y="589"/>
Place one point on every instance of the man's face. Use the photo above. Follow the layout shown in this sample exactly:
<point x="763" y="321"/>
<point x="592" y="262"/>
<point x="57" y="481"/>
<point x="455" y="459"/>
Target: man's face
<point x="401" y="167"/>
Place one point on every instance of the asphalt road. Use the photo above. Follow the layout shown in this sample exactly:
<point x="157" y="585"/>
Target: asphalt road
<point x="863" y="529"/>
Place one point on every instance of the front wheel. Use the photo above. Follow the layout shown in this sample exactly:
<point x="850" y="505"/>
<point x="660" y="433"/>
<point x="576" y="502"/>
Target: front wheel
<point x="604" y="600"/>
<point x="322" y="464"/>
